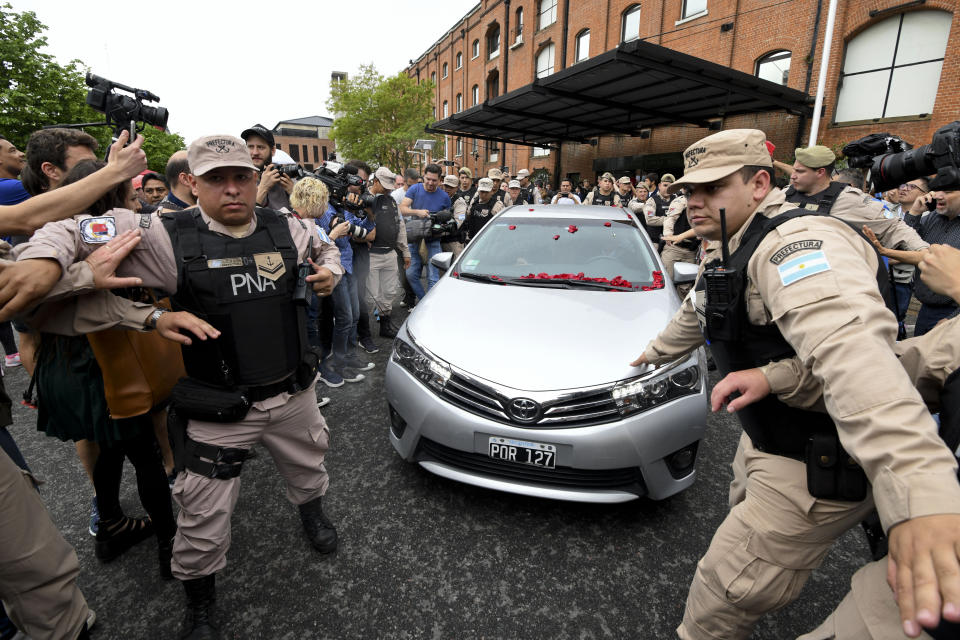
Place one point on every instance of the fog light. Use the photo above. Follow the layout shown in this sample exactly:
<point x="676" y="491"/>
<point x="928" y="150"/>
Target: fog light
<point x="397" y="424"/>
<point x="680" y="462"/>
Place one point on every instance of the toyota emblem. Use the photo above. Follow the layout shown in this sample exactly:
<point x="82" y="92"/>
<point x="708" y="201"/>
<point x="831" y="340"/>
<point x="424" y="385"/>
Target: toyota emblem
<point x="524" y="410"/>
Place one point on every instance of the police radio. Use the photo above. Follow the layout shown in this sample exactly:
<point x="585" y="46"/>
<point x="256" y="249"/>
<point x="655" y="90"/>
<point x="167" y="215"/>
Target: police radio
<point x="722" y="285"/>
<point x="300" y="289"/>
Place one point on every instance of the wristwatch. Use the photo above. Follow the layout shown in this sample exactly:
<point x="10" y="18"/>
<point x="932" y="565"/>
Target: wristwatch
<point x="153" y="317"/>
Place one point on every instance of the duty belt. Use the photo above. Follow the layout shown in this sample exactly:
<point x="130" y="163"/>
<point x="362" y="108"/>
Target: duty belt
<point x="287" y="385"/>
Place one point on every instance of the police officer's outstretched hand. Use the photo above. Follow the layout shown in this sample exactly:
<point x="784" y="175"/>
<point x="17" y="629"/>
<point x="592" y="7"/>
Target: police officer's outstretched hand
<point x="322" y="280"/>
<point x="639" y="362"/>
<point x="750" y="384"/>
<point x="175" y="325"/>
<point x="924" y="570"/>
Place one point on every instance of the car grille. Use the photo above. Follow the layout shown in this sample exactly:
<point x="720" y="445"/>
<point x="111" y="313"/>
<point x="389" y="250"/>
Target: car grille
<point x="628" y="479"/>
<point x="590" y="408"/>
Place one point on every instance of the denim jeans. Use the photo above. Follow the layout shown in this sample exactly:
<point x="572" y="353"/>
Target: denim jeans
<point x="346" y="312"/>
<point x="929" y="316"/>
<point x="416" y="267"/>
<point x="903" y="291"/>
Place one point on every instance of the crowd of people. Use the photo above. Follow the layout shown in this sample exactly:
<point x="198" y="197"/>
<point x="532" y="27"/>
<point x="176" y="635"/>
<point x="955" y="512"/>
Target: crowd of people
<point x="154" y="309"/>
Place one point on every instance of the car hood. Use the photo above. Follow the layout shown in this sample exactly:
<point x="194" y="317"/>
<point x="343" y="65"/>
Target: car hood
<point x="539" y="339"/>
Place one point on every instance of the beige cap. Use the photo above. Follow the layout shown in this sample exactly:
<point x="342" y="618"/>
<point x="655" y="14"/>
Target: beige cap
<point x="384" y="176"/>
<point x="624" y="180"/>
<point x="608" y="176"/>
<point x="523" y="173"/>
<point x="513" y="184"/>
<point x="721" y="154"/>
<point x="212" y="152"/>
<point x="451" y="180"/>
<point x="485" y="184"/>
<point x="494" y="174"/>
<point x="668" y="177"/>
<point x="816" y="156"/>
<point x="465" y="171"/>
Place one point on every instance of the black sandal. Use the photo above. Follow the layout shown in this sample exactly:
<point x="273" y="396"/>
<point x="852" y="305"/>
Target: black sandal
<point x="116" y="536"/>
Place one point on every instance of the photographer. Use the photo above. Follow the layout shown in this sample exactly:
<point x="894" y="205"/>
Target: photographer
<point x="390" y="236"/>
<point x="275" y="187"/>
<point x="566" y="194"/>
<point x="420" y="201"/>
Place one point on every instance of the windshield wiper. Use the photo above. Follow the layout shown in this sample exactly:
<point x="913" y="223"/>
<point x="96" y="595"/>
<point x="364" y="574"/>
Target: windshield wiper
<point x="491" y="279"/>
<point x="571" y="283"/>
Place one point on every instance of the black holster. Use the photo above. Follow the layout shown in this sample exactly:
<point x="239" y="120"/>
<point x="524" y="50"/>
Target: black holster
<point x="177" y="433"/>
<point x="831" y="473"/>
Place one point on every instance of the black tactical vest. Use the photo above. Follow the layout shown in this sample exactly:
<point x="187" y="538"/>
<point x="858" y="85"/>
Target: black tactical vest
<point x="737" y="344"/>
<point x="681" y="225"/>
<point x="478" y="216"/>
<point x="660" y="211"/>
<point x="603" y="200"/>
<point x="526" y="196"/>
<point x="385" y="214"/>
<point x="244" y="288"/>
<point x="819" y="202"/>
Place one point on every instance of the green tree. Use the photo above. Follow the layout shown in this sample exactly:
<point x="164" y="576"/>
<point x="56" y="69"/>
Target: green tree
<point x="159" y="146"/>
<point x="34" y="89"/>
<point x="379" y="119"/>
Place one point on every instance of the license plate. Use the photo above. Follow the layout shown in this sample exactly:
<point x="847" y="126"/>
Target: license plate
<point x="536" y="454"/>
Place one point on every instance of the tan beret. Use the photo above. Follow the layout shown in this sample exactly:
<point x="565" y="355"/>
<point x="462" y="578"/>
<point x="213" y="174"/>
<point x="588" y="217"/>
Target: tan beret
<point x="816" y="156"/>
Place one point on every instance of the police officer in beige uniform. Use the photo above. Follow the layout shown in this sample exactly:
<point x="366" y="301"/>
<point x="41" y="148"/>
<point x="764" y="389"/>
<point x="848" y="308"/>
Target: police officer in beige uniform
<point x="681" y="242"/>
<point x="807" y="286"/>
<point x="239" y="271"/>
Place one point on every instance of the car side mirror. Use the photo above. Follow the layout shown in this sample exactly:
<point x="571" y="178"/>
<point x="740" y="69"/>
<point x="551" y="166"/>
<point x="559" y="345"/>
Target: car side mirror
<point x="684" y="272"/>
<point x="443" y="260"/>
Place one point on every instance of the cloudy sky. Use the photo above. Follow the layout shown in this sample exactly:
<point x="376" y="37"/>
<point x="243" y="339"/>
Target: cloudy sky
<point x="220" y="67"/>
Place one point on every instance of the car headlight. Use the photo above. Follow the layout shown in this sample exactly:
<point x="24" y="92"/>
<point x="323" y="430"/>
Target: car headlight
<point x="426" y="367"/>
<point x="640" y="395"/>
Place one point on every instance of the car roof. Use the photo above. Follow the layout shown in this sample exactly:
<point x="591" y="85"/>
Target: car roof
<point x="565" y="212"/>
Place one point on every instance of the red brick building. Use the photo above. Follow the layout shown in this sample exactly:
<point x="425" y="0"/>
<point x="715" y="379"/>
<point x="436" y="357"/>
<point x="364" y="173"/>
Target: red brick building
<point x="306" y="140"/>
<point x="894" y="66"/>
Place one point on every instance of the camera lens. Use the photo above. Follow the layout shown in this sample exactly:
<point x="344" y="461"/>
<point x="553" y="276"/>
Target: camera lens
<point x="893" y="169"/>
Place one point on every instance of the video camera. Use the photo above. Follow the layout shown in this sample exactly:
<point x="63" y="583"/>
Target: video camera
<point x="338" y="178"/>
<point x="442" y="224"/>
<point x="891" y="161"/>
<point x="123" y="111"/>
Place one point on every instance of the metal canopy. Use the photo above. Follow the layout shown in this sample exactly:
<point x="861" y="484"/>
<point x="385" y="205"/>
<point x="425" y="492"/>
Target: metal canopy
<point x="636" y="86"/>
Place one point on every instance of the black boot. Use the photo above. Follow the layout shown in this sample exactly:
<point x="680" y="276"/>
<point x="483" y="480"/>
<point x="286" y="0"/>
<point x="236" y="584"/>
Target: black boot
<point x="198" y="623"/>
<point x="322" y="534"/>
<point x="165" y="555"/>
<point x="387" y="330"/>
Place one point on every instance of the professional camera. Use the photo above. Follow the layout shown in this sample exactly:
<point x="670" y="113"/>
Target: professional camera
<point x="290" y="170"/>
<point x="357" y="232"/>
<point x="442" y="223"/>
<point x="122" y="111"/>
<point x="338" y="178"/>
<point x="893" y="162"/>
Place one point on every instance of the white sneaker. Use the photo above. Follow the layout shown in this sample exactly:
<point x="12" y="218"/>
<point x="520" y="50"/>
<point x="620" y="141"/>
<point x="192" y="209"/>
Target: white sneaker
<point x="13" y="360"/>
<point x="324" y="401"/>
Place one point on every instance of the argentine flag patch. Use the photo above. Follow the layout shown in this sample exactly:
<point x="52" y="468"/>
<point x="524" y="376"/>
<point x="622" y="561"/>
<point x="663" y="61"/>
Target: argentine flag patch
<point x="323" y="235"/>
<point x="803" y="266"/>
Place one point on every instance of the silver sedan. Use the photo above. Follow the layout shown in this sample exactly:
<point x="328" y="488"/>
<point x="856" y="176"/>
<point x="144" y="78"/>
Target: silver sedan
<point x="513" y="372"/>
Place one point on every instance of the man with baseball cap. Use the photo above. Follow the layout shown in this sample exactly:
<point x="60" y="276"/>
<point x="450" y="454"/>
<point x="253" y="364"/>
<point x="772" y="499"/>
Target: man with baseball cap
<point x="528" y="194"/>
<point x="496" y="176"/>
<point x="250" y="373"/>
<point x="467" y="188"/>
<point x="452" y="242"/>
<point x="806" y="285"/>
<point x="483" y="207"/>
<point x="603" y="195"/>
<point x="390" y="242"/>
<point x="274" y="189"/>
<point x="657" y="205"/>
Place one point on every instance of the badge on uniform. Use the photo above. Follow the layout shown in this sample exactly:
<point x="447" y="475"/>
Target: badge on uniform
<point x="323" y="235"/>
<point x="269" y="265"/>
<point x="803" y="267"/>
<point x="98" y="230"/>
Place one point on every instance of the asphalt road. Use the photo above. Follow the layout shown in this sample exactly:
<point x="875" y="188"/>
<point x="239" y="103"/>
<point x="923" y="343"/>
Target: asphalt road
<point x="421" y="556"/>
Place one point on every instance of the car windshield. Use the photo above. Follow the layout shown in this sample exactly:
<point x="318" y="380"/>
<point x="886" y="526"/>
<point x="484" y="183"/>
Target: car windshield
<point x="592" y="253"/>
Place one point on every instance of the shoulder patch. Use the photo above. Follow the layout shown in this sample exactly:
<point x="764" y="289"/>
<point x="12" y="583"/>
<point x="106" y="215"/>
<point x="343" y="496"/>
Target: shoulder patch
<point x="146" y="219"/>
<point x="793" y="247"/>
<point x="323" y="235"/>
<point x="98" y="230"/>
<point x="802" y="267"/>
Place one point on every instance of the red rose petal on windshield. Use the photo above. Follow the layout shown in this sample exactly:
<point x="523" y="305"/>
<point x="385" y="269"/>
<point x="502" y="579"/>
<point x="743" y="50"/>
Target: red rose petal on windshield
<point x="531" y="209"/>
<point x="512" y="227"/>
<point x="556" y="237"/>
<point x="607" y="224"/>
<point x="572" y="229"/>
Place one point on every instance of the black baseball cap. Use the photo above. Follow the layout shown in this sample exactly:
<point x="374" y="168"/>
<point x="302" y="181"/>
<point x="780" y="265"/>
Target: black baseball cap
<point x="258" y="130"/>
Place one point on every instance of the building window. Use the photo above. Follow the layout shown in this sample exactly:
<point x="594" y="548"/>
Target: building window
<point x="692" y="8"/>
<point x="476" y="147"/>
<point x="493" y="41"/>
<point x="475" y="49"/>
<point x="323" y="150"/>
<point x="316" y="154"/>
<point x="540" y="152"/>
<point x="459" y="146"/>
<point x="545" y="61"/>
<point x="294" y="152"/>
<point x="446" y="70"/>
<point x="583" y="45"/>
<point x="476" y="94"/>
<point x="306" y="155"/>
<point x="433" y="77"/>
<point x="493" y="84"/>
<point x="459" y="60"/>
<point x="518" y="29"/>
<point x="893" y="68"/>
<point x="548" y="13"/>
<point x="459" y="103"/>
<point x="493" y="152"/>
<point x="774" y="67"/>
<point x="446" y="108"/>
<point x="631" y="24"/>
